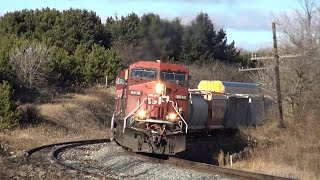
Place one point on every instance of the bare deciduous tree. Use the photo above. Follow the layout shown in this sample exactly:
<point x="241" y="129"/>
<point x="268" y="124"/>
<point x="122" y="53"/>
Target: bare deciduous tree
<point x="128" y="52"/>
<point x="216" y="70"/>
<point x="29" y="64"/>
<point x="300" y="32"/>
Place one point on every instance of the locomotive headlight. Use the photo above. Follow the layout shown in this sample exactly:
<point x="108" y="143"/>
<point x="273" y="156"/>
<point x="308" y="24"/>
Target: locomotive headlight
<point x="159" y="88"/>
<point x="180" y="110"/>
<point x="172" y="117"/>
<point x="142" y="114"/>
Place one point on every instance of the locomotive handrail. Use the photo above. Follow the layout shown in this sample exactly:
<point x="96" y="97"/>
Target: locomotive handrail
<point x="135" y="109"/>
<point x="180" y="116"/>
<point x="112" y="122"/>
<point x="132" y="113"/>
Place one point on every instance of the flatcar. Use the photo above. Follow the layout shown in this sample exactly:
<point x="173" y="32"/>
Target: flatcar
<point x="151" y="107"/>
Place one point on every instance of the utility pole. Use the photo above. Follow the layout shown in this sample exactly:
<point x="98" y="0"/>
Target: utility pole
<point x="277" y="74"/>
<point x="276" y="69"/>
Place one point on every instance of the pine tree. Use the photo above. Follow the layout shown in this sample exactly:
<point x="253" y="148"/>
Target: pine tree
<point x="9" y="113"/>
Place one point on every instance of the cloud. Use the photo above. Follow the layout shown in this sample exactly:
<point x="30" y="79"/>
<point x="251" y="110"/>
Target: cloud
<point x="252" y="20"/>
<point x="186" y="1"/>
<point x="235" y="14"/>
<point x="252" y="46"/>
<point x="214" y="1"/>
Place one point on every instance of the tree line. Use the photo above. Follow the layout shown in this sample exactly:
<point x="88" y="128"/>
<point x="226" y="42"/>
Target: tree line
<point x="44" y="50"/>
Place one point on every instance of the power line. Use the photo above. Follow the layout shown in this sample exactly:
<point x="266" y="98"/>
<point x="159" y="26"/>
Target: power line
<point x="254" y="69"/>
<point x="255" y="58"/>
<point x="271" y="57"/>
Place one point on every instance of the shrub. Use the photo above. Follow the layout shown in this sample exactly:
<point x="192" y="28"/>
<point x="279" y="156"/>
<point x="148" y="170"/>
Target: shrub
<point x="29" y="115"/>
<point x="9" y="113"/>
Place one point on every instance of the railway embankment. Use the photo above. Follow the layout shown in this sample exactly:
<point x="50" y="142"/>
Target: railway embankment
<point x="292" y="152"/>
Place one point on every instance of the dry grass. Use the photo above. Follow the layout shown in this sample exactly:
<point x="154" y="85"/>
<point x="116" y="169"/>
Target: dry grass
<point x="69" y="117"/>
<point x="292" y="152"/>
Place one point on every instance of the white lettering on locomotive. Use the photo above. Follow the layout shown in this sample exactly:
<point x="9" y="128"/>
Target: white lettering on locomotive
<point x="152" y="101"/>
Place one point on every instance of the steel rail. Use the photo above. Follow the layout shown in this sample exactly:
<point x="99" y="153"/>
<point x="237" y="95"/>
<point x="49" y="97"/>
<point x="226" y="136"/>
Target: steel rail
<point x="55" y="157"/>
<point x="213" y="169"/>
<point x="208" y="168"/>
<point x="60" y="147"/>
<point x="33" y="150"/>
<point x="172" y="161"/>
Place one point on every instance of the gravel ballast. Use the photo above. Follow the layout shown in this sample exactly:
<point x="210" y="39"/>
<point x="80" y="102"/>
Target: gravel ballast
<point x="110" y="159"/>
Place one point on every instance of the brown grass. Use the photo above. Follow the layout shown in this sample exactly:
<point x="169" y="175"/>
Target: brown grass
<point x="292" y="152"/>
<point x="69" y="117"/>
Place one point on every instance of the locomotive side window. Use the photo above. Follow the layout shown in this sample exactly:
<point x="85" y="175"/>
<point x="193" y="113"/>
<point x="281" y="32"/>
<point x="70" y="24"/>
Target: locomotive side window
<point x="120" y="81"/>
<point x="144" y="73"/>
<point x="180" y="77"/>
<point x="167" y="76"/>
<point x="173" y="76"/>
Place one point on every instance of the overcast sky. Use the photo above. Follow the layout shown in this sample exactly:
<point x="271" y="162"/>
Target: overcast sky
<point x="247" y="22"/>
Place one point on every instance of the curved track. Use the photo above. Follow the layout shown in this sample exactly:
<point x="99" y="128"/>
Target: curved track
<point x="53" y="150"/>
<point x="57" y="149"/>
<point x="208" y="168"/>
<point x="239" y="174"/>
<point x="81" y="142"/>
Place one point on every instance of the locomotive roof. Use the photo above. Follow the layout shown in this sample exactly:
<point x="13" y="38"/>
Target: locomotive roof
<point x="159" y="65"/>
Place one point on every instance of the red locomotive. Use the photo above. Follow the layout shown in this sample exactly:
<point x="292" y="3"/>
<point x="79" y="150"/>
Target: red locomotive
<point x="151" y="107"/>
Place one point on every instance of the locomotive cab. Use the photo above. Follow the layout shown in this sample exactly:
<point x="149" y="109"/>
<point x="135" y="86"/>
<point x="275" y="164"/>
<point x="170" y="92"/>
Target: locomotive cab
<point x="151" y="107"/>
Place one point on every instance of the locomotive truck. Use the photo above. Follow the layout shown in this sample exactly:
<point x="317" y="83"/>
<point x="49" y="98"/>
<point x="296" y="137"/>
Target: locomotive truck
<point x="154" y="109"/>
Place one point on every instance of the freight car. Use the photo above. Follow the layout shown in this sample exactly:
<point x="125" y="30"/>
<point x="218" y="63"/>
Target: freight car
<point x="151" y="107"/>
<point x="211" y="108"/>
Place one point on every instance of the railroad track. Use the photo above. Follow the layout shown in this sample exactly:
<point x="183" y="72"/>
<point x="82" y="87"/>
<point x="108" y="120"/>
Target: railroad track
<point x="56" y="151"/>
<point x="52" y="151"/>
<point x="211" y="169"/>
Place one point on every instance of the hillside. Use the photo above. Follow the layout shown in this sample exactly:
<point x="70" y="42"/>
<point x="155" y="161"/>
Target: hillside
<point x="69" y="117"/>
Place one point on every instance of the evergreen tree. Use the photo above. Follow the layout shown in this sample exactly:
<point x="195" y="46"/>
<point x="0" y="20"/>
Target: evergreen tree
<point x="5" y="47"/>
<point x="96" y="64"/>
<point x="83" y="49"/>
<point x="198" y="40"/>
<point x="202" y="43"/>
<point x="79" y="57"/>
<point x="100" y="63"/>
<point x="113" y="64"/>
<point x="61" y="67"/>
<point x="9" y="113"/>
<point x="64" y="29"/>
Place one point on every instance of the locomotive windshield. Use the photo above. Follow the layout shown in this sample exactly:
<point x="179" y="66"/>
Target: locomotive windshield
<point x="173" y="76"/>
<point x="144" y="73"/>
